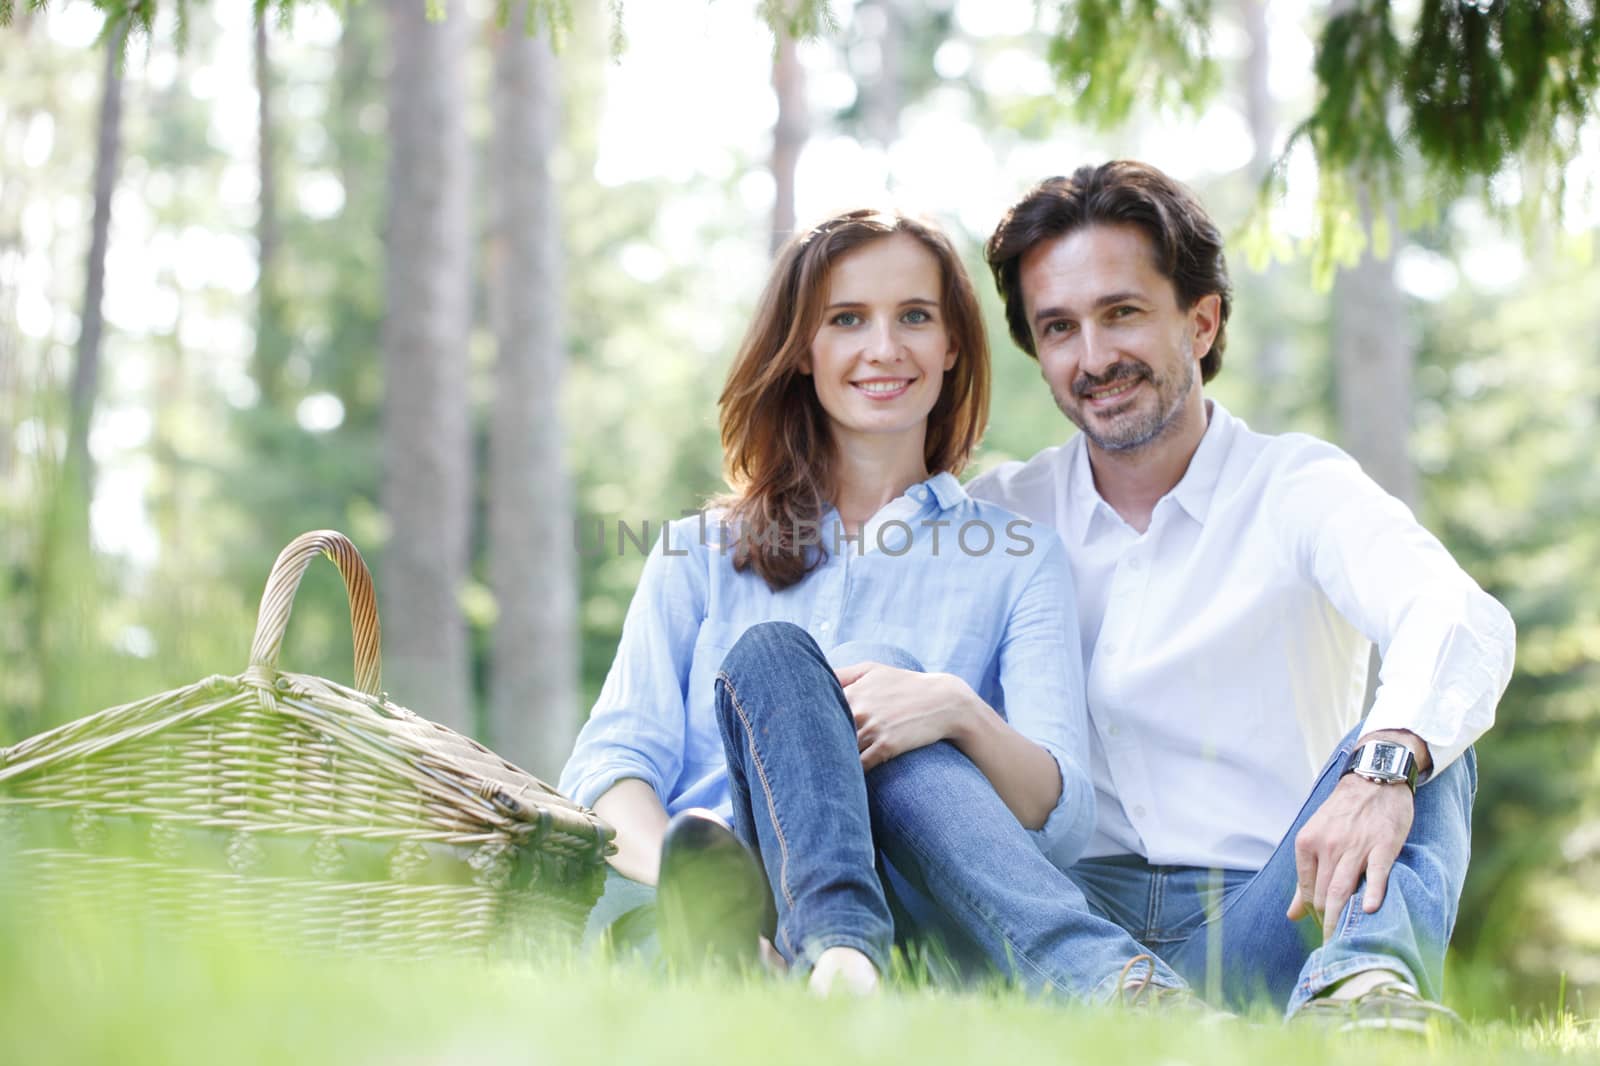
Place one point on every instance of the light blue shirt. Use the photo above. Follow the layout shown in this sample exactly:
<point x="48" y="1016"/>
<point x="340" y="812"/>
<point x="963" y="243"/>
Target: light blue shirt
<point x="966" y="587"/>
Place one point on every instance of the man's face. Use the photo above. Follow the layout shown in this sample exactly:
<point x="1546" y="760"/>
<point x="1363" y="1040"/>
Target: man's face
<point x="1120" y="356"/>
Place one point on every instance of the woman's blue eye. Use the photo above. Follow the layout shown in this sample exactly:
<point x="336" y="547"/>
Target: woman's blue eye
<point x="917" y="316"/>
<point x="846" y="318"/>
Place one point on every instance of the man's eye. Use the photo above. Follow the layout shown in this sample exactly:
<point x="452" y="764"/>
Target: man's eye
<point x="1123" y="311"/>
<point x="1057" y="327"/>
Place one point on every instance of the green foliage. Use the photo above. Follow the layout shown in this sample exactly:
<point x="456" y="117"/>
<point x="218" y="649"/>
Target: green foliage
<point x="799" y="19"/>
<point x="1112" y="55"/>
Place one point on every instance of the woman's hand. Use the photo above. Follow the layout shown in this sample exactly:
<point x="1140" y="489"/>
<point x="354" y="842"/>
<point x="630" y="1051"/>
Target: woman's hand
<point x="899" y="710"/>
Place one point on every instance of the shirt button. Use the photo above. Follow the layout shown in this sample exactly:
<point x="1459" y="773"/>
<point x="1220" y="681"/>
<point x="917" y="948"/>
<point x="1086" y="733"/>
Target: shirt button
<point x="1115" y="730"/>
<point x="919" y="493"/>
<point x="824" y="627"/>
<point x="1138" y="812"/>
<point x="1136" y="565"/>
<point x="1109" y="649"/>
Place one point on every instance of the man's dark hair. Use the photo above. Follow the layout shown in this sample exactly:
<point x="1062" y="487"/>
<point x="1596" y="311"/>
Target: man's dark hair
<point x="1186" y="243"/>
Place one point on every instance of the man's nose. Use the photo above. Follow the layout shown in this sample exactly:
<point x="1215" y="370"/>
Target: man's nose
<point x="1099" y="353"/>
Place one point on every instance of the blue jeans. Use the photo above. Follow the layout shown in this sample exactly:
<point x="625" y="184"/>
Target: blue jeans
<point x="945" y="840"/>
<point x="1225" y="930"/>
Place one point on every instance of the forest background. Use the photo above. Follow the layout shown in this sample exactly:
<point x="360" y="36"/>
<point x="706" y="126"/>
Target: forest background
<point x="470" y="301"/>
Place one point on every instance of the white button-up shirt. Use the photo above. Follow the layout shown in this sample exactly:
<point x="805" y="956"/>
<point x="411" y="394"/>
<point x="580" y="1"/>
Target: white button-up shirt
<point x="1227" y="646"/>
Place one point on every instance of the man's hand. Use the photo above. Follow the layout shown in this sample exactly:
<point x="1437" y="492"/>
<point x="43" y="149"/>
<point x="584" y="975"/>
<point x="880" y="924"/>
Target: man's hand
<point x="1360" y="829"/>
<point x="899" y="710"/>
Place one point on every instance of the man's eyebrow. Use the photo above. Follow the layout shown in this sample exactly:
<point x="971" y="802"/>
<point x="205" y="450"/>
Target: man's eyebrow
<point x="1108" y="300"/>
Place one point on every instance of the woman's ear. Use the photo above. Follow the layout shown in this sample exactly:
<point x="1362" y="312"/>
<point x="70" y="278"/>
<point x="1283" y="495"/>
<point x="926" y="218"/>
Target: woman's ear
<point x="805" y="364"/>
<point x="950" y="358"/>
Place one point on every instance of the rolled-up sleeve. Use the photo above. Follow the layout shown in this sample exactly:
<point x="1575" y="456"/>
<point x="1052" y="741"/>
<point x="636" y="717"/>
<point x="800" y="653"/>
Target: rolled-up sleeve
<point x="637" y="728"/>
<point x="1041" y="678"/>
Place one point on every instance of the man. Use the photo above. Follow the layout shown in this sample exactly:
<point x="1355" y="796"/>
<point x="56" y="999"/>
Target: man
<point x="1230" y="586"/>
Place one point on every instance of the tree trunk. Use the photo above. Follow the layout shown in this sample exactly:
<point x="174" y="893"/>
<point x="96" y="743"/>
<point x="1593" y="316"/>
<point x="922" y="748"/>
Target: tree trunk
<point x="533" y="683"/>
<point x="1272" y="361"/>
<point x="788" y="135"/>
<point x="426" y="330"/>
<point x="1374" y="356"/>
<point x="86" y="366"/>
<point x="1373" y="360"/>
<point x="65" y="605"/>
<point x="271" y="333"/>
<point x="882" y="94"/>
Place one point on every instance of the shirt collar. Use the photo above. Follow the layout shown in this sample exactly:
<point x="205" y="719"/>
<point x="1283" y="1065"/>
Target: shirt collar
<point x="1084" y="498"/>
<point x="1199" y="483"/>
<point x="947" y="490"/>
<point x="1193" y="491"/>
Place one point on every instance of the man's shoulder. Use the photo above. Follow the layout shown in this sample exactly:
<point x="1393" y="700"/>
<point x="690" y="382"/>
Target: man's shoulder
<point x="1280" y="459"/>
<point x="1027" y="487"/>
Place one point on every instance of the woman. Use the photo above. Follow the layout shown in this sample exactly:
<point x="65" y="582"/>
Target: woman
<point x="848" y="618"/>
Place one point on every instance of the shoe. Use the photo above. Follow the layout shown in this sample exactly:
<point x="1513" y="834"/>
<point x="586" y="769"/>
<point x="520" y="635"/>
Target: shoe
<point x="1393" y="1007"/>
<point x="1138" y="991"/>
<point x="712" y="900"/>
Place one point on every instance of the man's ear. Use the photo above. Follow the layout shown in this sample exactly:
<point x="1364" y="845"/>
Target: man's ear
<point x="1205" y="319"/>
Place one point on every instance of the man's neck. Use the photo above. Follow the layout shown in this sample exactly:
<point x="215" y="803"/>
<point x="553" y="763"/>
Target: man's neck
<point x="1133" y="482"/>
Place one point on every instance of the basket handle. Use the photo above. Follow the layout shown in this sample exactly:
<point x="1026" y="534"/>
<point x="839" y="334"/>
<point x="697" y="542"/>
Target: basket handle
<point x="277" y="599"/>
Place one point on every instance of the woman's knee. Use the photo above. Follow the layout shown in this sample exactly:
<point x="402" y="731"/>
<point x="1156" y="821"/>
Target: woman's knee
<point x="765" y="643"/>
<point x="852" y="652"/>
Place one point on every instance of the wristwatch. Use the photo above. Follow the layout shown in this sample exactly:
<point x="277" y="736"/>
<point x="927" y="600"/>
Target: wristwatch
<point x="1385" y="762"/>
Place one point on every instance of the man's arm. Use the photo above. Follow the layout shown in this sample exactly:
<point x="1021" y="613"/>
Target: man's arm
<point x="1446" y="648"/>
<point x="1357" y="832"/>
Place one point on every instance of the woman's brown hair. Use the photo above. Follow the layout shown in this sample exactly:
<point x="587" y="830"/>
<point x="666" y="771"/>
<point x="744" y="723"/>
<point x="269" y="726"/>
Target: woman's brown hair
<point x="777" y="446"/>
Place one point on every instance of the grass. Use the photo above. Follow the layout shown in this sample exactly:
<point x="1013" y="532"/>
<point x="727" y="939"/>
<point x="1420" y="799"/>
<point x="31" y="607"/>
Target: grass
<point x="89" y="994"/>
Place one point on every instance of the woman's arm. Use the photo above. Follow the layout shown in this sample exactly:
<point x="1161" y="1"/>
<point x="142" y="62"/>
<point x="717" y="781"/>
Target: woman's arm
<point x="1036" y="755"/>
<point x="900" y="710"/>
<point x="630" y="752"/>
<point x="635" y="811"/>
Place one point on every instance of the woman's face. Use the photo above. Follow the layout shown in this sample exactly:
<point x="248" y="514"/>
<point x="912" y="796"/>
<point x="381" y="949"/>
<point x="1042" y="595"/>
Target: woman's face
<point x="879" y="356"/>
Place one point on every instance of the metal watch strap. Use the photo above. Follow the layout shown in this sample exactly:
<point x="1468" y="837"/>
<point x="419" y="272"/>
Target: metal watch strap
<point x="1385" y="762"/>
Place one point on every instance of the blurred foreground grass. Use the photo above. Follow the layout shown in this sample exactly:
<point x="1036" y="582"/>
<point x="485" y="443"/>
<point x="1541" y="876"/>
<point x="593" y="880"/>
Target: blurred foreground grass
<point x="88" y="993"/>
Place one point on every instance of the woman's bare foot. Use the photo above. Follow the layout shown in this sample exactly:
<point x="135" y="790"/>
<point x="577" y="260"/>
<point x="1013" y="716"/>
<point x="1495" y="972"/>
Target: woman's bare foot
<point x="844" y="970"/>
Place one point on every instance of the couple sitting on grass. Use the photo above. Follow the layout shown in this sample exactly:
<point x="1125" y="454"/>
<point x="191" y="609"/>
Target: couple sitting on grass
<point x="1092" y="721"/>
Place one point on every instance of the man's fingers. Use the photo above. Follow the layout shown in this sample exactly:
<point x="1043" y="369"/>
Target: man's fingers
<point x="1341" y="886"/>
<point x="849" y="675"/>
<point x="1305" y="872"/>
<point x="1377" y="884"/>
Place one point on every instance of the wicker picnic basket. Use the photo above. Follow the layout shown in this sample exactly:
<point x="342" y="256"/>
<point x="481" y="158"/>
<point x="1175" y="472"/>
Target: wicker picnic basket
<point x="299" y="809"/>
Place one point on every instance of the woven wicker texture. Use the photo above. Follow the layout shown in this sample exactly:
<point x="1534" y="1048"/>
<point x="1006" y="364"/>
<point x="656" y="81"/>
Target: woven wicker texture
<point x="301" y="806"/>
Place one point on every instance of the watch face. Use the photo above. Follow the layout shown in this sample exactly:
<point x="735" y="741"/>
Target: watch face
<point x="1384" y="760"/>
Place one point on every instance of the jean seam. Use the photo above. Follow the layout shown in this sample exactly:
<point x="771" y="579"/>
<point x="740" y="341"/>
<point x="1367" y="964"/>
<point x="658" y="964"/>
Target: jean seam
<point x="772" y="810"/>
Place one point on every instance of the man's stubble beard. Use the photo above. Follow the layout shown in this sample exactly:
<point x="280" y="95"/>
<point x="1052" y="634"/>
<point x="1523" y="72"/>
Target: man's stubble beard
<point x="1143" y="429"/>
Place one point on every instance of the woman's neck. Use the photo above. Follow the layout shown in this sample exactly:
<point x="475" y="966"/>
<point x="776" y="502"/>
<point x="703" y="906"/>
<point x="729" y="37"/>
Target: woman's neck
<point x="868" y="472"/>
